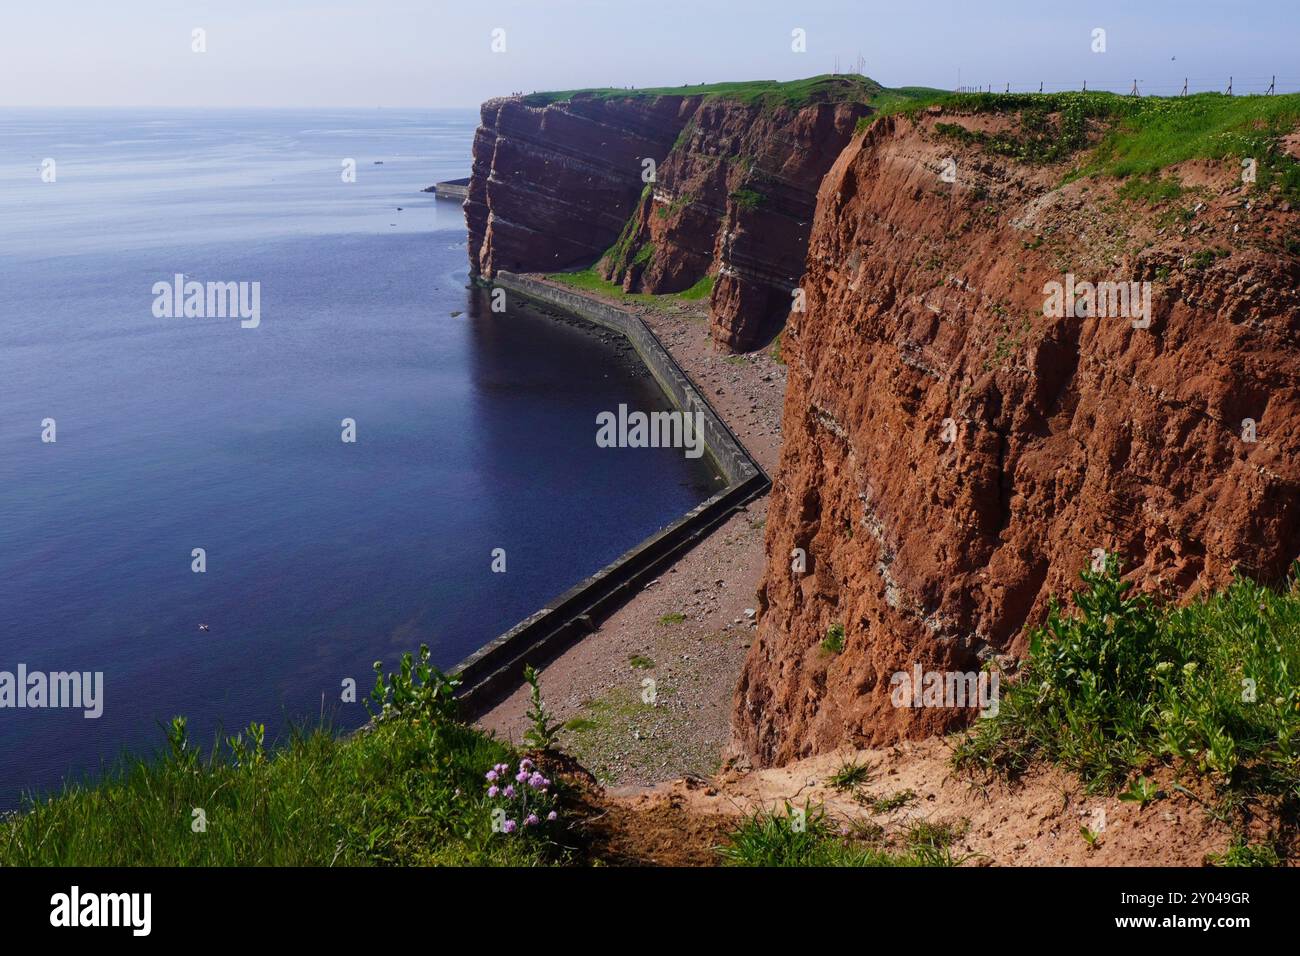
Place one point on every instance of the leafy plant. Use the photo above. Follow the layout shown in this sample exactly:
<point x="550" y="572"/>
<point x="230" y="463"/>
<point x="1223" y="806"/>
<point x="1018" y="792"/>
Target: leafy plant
<point x="178" y="740"/>
<point x="543" y="733"/>
<point x="833" y="643"/>
<point x="1142" y="790"/>
<point x="251" y="753"/>
<point x="1212" y="687"/>
<point x="417" y="689"/>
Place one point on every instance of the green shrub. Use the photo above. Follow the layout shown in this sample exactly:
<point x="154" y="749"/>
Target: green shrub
<point x="1211" y="688"/>
<point x="833" y="643"/>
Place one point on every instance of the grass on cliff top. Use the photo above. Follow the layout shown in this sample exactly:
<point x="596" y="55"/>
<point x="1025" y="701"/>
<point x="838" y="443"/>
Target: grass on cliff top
<point x="1147" y="134"/>
<point x="1125" y="685"/>
<point x="408" y="791"/>
<point x="832" y="88"/>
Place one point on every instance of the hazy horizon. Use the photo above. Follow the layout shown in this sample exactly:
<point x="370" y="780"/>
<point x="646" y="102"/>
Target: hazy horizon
<point x="404" y="54"/>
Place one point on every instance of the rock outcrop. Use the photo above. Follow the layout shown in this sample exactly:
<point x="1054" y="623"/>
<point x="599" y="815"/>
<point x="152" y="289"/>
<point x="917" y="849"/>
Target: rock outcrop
<point x="558" y="184"/>
<point x="953" y="456"/>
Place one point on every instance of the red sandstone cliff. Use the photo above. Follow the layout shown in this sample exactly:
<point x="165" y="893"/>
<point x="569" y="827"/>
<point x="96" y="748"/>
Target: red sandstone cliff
<point x="552" y="186"/>
<point x="734" y="199"/>
<point x="735" y="182"/>
<point x="926" y="303"/>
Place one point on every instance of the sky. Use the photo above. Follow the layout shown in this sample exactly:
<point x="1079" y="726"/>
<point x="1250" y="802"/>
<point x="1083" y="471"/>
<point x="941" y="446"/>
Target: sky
<point x="433" y="53"/>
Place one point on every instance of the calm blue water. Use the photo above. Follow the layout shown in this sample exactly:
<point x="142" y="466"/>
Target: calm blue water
<point x="474" y="430"/>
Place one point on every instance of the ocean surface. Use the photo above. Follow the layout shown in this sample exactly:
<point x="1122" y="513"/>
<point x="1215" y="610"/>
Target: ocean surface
<point x="474" y="430"/>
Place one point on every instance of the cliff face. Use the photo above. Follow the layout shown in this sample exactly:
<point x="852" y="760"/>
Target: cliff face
<point x="552" y="186"/>
<point x="952" y="456"/>
<point x="734" y="200"/>
<point x="557" y="185"/>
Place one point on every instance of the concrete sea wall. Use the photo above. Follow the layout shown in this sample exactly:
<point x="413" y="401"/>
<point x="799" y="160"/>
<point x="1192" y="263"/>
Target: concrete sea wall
<point x="493" y="671"/>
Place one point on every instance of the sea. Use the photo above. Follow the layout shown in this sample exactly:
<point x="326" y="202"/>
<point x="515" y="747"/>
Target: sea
<point x="232" y="519"/>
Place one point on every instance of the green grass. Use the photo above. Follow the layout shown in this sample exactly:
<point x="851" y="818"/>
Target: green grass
<point x="747" y="198"/>
<point x="807" y="838"/>
<point x="833" y="643"/>
<point x="792" y="94"/>
<point x="623" y="253"/>
<point x="850" y="776"/>
<point x="673" y="617"/>
<point x="702" y="289"/>
<point x="1010" y="337"/>
<point x="1242" y="853"/>
<point x="408" y="791"/>
<point x="589" y="280"/>
<point x="1153" y="134"/>
<point x="1124" y="684"/>
<point x="892" y="802"/>
<point x="776" y="353"/>
<point x="640" y="662"/>
<point x="677" y="204"/>
<point x="1152" y="189"/>
<point x="1204" y="258"/>
<point x="1146" y="134"/>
